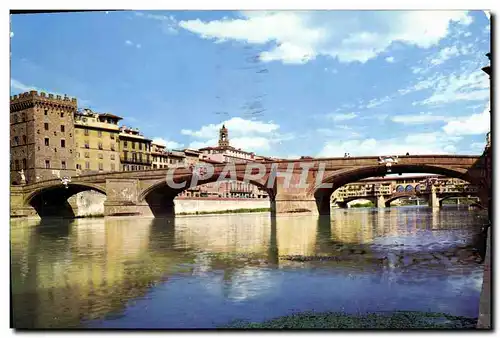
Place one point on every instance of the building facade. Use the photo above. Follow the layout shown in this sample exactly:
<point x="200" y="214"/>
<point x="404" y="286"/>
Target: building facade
<point x="97" y="142"/>
<point x="135" y="150"/>
<point x="41" y="137"/>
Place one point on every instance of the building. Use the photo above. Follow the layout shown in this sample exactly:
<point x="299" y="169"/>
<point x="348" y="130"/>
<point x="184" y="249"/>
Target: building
<point x="41" y="137"/>
<point x="192" y="156"/>
<point x="135" y="150"/>
<point x="96" y="142"/>
<point x="159" y="156"/>
<point x="225" y="153"/>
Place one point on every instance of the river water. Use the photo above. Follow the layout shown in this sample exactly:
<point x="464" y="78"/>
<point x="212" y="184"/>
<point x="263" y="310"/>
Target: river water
<point x="206" y="271"/>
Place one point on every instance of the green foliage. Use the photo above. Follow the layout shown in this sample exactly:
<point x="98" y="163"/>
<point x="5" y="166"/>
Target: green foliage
<point x="235" y="211"/>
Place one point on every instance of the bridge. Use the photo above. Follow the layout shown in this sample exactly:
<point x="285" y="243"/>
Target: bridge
<point x="382" y="192"/>
<point x="146" y="193"/>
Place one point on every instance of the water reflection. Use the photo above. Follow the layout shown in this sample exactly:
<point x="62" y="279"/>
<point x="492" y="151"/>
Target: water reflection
<point x="87" y="271"/>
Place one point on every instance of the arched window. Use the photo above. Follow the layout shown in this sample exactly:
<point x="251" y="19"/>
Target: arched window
<point x="400" y="188"/>
<point x="409" y="188"/>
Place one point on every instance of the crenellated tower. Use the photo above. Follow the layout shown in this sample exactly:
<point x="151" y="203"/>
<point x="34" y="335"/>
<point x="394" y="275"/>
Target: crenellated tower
<point x="41" y="137"/>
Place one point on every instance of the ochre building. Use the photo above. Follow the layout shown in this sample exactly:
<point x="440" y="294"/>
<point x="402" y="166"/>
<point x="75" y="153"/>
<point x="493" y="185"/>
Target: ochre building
<point x="97" y="142"/>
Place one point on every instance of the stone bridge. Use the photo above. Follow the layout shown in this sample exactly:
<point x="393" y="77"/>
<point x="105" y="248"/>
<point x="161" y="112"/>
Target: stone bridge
<point x="147" y="193"/>
<point x="434" y="195"/>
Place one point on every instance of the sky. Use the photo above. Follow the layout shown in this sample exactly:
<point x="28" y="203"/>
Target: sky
<point x="285" y="84"/>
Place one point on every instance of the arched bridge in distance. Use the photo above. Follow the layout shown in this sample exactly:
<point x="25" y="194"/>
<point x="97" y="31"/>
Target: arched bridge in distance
<point x="146" y="193"/>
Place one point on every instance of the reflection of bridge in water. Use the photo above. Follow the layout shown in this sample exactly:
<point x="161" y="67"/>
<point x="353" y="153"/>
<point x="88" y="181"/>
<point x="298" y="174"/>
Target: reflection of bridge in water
<point x="85" y="269"/>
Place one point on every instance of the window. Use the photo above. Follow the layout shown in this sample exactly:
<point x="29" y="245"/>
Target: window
<point x="78" y="166"/>
<point x="25" y="139"/>
<point x="63" y="164"/>
<point x="47" y="141"/>
<point x="113" y="147"/>
<point x="99" y="133"/>
<point x="46" y="112"/>
<point x="100" y="155"/>
<point x="87" y="144"/>
<point x="140" y="146"/>
<point x="86" y="132"/>
<point x="47" y="164"/>
<point x="125" y="144"/>
<point x="87" y="154"/>
<point x="140" y="157"/>
<point x="100" y="145"/>
<point x="77" y="154"/>
<point x="16" y="164"/>
<point x="112" y="166"/>
<point x="46" y="126"/>
<point x="134" y="157"/>
<point x="16" y="140"/>
<point x="125" y="154"/>
<point x="62" y="128"/>
<point x="15" y="118"/>
<point x="133" y="145"/>
<point x="101" y="166"/>
<point x="87" y="165"/>
<point x="62" y="114"/>
<point x="23" y="117"/>
<point x="112" y="136"/>
<point x="24" y="164"/>
<point x="63" y="143"/>
<point x="112" y="156"/>
<point x="154" y="166"/>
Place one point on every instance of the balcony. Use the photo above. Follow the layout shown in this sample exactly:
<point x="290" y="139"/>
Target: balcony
<point x="136" y="160"/>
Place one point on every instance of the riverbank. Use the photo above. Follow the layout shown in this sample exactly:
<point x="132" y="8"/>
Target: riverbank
<point x="218" y="212"/>
<point x="334" y="320"/>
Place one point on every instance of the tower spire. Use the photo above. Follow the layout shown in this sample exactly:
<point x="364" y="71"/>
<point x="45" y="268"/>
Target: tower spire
<point x="223" y="137"/>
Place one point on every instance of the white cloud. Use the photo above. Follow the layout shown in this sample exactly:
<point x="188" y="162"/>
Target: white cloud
<point x="130" y="43"/>
<point x="168" y="22"/>
<point x="249" y="135"/>
<point x="236" y="127"/>
<point x="167" y="144"/>
<point x="376" y="102"/>
<point x="419" y="118"/>
<point x="471" y="125"/>
<point x="300" y="36"/>
<point x="11" y="34"/>
<point x="445" y="54"/>
<point x="460" y="87"/>
<point x="14" y="84"/>
<point x="390" y="59"/>
<point x="415" y="144"/>
<point x="478" y="145"/>
<point x="342" y="117"/>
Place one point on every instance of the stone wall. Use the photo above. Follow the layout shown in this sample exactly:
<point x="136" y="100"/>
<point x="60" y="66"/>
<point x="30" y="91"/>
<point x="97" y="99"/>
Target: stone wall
<point x="209" y="205"/>
<point x="88" y="203"/>
<point x="91" y="203"/>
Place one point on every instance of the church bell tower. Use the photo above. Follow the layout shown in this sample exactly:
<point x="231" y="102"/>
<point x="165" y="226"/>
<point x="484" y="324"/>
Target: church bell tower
<point x="223" y="137"/>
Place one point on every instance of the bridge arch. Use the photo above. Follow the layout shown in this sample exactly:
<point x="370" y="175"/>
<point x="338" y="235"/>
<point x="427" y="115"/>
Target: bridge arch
<point x="160" y="196"/>
<point x="52" y="200"/>
<point x="342" y="177"/>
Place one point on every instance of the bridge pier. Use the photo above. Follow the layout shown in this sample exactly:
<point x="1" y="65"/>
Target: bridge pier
<point x="433" y="199"/>
<point x="380" y="202"/>
<point x="285" y="204"/>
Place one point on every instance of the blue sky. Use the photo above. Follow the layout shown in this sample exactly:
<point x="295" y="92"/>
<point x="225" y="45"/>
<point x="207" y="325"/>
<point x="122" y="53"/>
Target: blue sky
<point x="285" y="83"/>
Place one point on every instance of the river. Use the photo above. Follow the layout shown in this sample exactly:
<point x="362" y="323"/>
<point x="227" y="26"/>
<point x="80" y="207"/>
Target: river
<point x="207" y="271"/>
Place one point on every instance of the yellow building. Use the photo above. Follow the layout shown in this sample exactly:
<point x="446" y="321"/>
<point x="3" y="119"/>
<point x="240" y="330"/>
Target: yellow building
<point x="96" y="142"/>
<point x="135" y="150"/>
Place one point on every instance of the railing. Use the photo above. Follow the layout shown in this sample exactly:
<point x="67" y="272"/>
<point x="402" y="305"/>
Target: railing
<point x="137" y="160"/>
